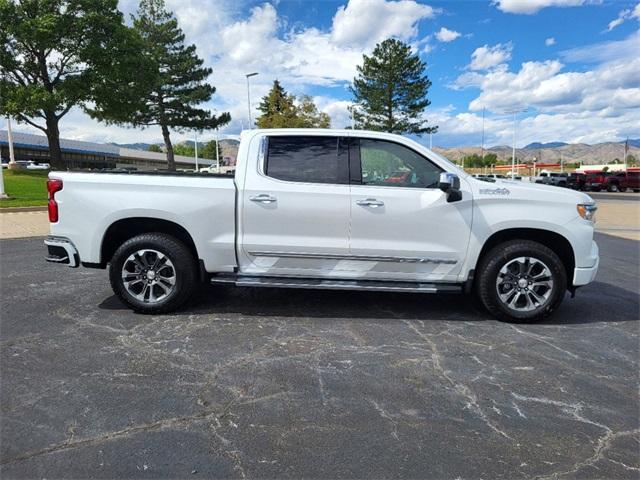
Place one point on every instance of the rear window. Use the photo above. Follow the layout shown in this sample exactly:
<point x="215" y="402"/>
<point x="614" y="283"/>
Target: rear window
<point x="633" y="174"/>
<point x="308" y="159"/>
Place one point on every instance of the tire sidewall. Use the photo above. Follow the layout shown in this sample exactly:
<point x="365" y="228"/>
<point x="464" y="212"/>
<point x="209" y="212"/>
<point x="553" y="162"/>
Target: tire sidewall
<point x="164" y="244"/>
<point x="503" y="254"/>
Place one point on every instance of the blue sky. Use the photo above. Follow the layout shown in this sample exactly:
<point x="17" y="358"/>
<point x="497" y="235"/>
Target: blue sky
<point x="574" y="65"/>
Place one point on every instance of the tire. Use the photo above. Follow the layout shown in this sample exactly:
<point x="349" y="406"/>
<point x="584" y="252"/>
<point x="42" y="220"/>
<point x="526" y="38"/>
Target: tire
<point x="536" y="302"/>
<point x="153" y="273"/>
<point x="614" y="188"/>
<point x="636" y="190"/>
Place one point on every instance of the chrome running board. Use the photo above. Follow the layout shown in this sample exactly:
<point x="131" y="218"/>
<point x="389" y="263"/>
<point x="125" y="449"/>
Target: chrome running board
<point x="335" y="284"/>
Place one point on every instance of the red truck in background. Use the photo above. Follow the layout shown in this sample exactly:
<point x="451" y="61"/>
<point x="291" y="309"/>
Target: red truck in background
<point x="612" y="182"/>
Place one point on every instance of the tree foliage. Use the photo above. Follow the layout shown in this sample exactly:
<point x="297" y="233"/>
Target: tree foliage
<point x="477" y="161"/>
<point x="390" y="90"/>
<point x="178" y="83"/>
<point x="57" y="54"/>
<point x="280" y="109"/>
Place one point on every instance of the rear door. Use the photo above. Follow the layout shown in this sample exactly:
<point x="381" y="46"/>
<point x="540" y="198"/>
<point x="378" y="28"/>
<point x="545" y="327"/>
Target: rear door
<point x="402" y="227"/>
<point x="295" y="207"/>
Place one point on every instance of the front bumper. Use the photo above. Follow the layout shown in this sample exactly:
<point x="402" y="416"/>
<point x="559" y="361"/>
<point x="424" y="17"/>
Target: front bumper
<point x="61" y="250"/>
<point x="585" y="275"/>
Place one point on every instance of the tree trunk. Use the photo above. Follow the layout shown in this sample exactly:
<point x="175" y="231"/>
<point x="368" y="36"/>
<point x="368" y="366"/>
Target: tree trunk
<point x="53" y="137"/>
<point x="171" y="162"/>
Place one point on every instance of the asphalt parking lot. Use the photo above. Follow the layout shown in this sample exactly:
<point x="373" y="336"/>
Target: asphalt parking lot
<point x="284" y="383"/>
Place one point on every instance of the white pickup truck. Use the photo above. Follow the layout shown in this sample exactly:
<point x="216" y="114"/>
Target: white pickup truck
<point x="327" y="209"/>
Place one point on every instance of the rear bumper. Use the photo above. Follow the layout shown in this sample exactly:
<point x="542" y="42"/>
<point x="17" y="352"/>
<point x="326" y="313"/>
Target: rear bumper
<point x="585" y="275"/>
<point x="61" y="250"/>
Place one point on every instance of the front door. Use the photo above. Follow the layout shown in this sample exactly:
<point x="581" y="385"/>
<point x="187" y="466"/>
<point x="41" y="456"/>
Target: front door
<point x="295" y="208"/>
<point x="402" y="227"/>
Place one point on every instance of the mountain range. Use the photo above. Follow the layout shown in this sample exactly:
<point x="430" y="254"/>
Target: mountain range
<point x="540" y="152"/>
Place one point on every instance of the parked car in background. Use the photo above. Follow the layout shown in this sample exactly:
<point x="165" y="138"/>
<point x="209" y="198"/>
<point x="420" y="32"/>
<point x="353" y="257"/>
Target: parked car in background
<point x="576" y="181"/>
<point x="612" y="182"/>
<point x="633" y="181"/>
<point x="327" y="209"/>
<point x="553" y="178"/>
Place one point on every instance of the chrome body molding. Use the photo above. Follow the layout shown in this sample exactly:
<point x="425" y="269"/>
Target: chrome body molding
<point x="363" y="258"/>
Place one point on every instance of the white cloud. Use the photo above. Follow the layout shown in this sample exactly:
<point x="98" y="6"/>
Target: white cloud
<point x="550" y="41"/>
<point x="529" y="7"/>
<point x="446" y="35"/>
<point x="623" y="16"/>
<point x="605" y="51"/>
<point x="363" y="23"/>
<point x="487" y="57"/>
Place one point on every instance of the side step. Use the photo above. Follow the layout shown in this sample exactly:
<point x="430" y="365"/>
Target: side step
<point x="334" y="284"/>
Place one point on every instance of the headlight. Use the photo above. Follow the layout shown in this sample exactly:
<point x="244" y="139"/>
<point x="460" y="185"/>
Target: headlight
<point x="587" y="211"/>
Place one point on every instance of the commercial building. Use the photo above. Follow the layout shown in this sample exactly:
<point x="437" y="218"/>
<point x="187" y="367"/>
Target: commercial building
<point x="89" y="155"/>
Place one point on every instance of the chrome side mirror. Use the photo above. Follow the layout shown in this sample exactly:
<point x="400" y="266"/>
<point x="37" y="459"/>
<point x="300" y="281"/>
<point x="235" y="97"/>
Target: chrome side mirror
<point x="450" y="184"/>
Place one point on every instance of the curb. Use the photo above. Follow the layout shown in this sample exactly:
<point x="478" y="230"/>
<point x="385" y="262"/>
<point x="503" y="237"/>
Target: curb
<point x="23" y="209"/>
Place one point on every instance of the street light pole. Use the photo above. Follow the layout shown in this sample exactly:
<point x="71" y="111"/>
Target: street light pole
<point x="12" y="158"/>
<point x="196" y="135"/>
<point x="249" y="97"/>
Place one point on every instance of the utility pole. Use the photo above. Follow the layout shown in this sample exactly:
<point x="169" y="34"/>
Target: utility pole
<point x="430" y="140"/>
<point x="217" y="153"/>
<point x="482" y="147"/>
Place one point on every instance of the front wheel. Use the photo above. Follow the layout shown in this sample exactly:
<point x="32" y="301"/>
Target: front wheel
<point x="153" y="273"/>
<point x="521" y="281"/>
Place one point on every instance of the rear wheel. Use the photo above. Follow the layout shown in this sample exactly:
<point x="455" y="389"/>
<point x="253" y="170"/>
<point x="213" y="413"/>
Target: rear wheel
<point x="153" y="273"/>
<point x="521" y="281"/>
<point x="614" y="187"/>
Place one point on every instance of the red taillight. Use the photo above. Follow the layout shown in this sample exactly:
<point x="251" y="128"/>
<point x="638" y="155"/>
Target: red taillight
<point x="53" y="185"/>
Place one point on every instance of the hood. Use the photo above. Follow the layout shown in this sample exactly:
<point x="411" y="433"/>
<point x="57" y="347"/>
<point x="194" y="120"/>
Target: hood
<point x="534" y="191"/>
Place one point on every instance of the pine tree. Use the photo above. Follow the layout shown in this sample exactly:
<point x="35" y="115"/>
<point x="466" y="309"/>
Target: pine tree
<point x="179" y="83"/>
<point x="277" y="108"/>
<point x="283" y="110"/>
<point x="390" y="91"/>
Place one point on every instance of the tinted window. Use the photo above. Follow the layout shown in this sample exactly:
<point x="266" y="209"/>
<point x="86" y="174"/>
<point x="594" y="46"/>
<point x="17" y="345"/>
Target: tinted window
<point x="394" y="165"/>
<point x="307" y="159"/>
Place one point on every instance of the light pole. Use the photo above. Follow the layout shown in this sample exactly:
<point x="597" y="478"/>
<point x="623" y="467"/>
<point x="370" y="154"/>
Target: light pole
<point x="248" y="75"/>
<point x="12" y="158"/>
<point x="196" y="135"/>
<point x="513" y="149"/>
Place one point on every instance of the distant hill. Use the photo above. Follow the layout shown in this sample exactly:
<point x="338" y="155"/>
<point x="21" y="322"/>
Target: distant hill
<point x="538" y="145"/>
<point x="133" y="146"/>
<point x="570" y="153"/>
<point x="634" y="142"/>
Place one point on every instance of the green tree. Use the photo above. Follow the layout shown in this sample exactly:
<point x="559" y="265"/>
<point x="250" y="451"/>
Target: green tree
<point x="209" y="151"/>
<point x="280" y="109"/>
<point x="179" y="80"/>
<point x="155" y="148"/>
<point x="277" y="108"/>
<point x="631" y="160"/>
<point x="390" y="90"/>
<point x="57" y="54"/>
<point x="184" y="149"/>
<point x="308" y="115"/>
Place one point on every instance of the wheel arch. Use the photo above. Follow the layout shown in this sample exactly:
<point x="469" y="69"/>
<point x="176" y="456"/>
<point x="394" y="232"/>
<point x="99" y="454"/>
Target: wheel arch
<point x="555" y="241"/>
<point x="122" y="230"/>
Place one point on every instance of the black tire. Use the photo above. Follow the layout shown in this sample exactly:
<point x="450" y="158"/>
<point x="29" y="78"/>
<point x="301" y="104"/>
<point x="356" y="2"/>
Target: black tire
<point x="614" y="187"/>
<point x="636" y="190"/>
<point x="502" y="255"/>
<point x="181" y="266"/>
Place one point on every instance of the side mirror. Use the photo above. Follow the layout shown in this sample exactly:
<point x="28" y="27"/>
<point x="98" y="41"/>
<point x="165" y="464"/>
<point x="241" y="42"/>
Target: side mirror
<point x="450" y="184"/>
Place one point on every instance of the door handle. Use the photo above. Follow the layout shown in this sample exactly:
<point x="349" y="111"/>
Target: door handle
<point x="263" y="198"/>
<point x="370" y="202"/>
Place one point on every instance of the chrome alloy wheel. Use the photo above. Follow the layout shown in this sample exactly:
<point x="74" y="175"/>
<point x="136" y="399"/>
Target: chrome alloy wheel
<point x="148" y="276"/>
<point x="524" y="284"/>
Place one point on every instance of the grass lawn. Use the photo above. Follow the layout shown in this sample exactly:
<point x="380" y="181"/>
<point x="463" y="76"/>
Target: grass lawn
<point x="25" y="188"/>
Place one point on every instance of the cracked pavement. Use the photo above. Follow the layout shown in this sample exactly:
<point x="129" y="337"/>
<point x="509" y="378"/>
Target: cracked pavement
<point x="297" y="383"/>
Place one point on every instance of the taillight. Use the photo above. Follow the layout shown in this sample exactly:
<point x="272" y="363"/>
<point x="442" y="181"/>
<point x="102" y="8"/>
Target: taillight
<point x="53" y="185"/>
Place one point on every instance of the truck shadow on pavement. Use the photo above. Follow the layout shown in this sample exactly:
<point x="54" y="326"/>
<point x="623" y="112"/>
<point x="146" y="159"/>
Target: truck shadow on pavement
<point x="591" y="305"/>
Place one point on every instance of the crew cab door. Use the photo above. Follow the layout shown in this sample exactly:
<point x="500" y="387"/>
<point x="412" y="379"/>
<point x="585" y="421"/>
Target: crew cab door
<point x="295" y="207"/>
<point x="402" y="226"/>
